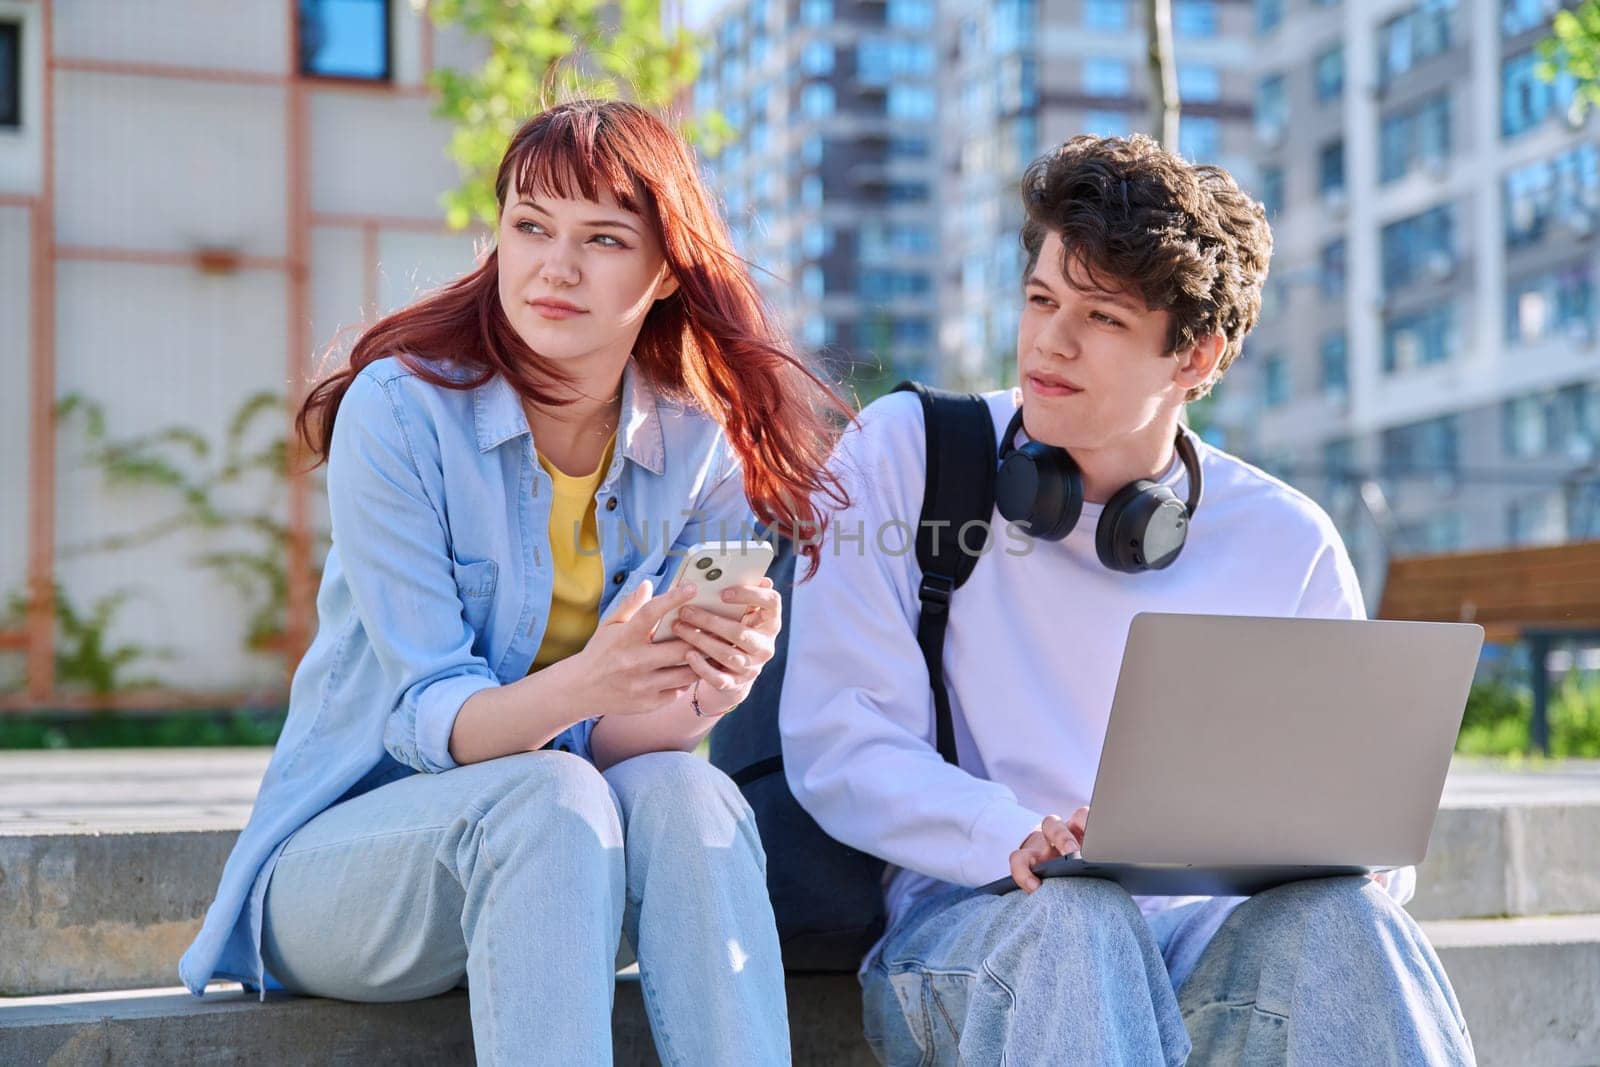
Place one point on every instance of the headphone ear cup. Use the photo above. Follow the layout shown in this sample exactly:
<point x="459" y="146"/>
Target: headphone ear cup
<point x="1143" y="527"/>
<point x="1039" y="486"/>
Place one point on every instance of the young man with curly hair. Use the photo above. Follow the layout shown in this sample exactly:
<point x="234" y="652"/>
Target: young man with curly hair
<point x="1144" y="276"/>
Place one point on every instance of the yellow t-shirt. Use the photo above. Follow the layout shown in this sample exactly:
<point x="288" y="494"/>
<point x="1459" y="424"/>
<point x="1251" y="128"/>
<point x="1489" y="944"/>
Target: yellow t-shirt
<point x="579" y="576"/>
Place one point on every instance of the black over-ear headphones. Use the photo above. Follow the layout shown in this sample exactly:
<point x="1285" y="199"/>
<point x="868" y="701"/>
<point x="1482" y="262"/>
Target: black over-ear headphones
<point x="1143" y="526"/>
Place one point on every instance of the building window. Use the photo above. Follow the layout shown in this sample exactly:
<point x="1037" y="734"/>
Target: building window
<point x="910" y="14"/>
<point x="1105" y="14"/>
<point x="1200" y="139"/>
<point x="1194" y="18"/>
<point x="915" y="103"/>
<point x="817" y="59"/>
<point x="816" y="12"/>
<point x="1537" y="520"/>
<point x="1272" y="108"/>
<point x="1428" y="447"/>
<point x="345" y="39"/>
<point x="10" y="74"/>
<point x="1416" y="137"/>
<point x="1519" y="16"/>
<point x="1419" y="339"/>
<point x="1013" y="24"/>
<point x="1106" y="123"/>
<point x="1554" y="303"/>
<point x="1420" y="246"/>
<point x="1199" y="83"/>
<point x="1334" y="363"/>
<point x="1565" y="423"/>
<point x="1269" y="13"/>
<point x="1330" y="74"/>
<point x="1563" y="191"/>
<point x="1406" y="40"/>
<point x="1332" y="267"/>
<point x="1330" y="167"/>
<point x="1274" y="382"/>
<point x="907" y="192"/>
<point x="1105" y="77"/>
<point x="1272" y="190"/>
<point x="1526" y="100"/>
<point x="816" y="100"/>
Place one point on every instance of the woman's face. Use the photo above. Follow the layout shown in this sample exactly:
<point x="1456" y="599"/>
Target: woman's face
<point x="578" y="276"/>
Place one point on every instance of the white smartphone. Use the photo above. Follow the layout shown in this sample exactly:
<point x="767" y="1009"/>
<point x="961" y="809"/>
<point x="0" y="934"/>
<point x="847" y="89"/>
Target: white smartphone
<point x="714" y="566"/>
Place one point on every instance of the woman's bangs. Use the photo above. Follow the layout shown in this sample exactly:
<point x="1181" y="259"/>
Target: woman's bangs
<point x="570" y="162"/>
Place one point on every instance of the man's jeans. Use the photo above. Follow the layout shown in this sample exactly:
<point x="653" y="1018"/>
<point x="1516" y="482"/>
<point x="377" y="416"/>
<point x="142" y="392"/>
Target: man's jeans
<point x="520" y="874"/>
<point x="1317" y="973"/>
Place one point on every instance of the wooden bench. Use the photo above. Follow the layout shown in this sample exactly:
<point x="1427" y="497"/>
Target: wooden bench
<point x="1538" y="595"/>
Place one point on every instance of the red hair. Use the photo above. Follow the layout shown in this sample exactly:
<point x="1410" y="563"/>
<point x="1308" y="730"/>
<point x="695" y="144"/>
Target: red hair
<point x="713" y="343"/>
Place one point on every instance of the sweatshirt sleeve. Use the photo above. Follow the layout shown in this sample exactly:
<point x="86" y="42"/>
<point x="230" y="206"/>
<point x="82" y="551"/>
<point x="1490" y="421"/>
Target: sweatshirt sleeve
<point x="856" y="715"/>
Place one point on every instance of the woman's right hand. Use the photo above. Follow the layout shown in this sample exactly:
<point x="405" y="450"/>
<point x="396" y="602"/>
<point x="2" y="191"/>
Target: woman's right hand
<point x="621" y="671"/>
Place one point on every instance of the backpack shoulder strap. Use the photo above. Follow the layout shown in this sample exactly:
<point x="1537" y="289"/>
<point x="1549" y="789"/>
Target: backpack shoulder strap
<point x="958" y="490"/>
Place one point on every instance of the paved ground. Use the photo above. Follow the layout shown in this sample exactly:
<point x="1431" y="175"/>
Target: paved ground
<point x="212" y="789"/>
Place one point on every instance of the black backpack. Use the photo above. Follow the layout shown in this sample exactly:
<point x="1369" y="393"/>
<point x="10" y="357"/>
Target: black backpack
<point x="826" y="896"/>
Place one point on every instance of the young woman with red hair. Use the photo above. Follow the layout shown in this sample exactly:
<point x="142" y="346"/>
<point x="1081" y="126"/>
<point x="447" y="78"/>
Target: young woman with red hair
<point x="486" y="771"/>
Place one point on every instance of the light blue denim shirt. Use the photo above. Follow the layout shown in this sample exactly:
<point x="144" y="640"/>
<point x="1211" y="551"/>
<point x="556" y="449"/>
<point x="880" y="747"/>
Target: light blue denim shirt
<point x="438" y="585"/>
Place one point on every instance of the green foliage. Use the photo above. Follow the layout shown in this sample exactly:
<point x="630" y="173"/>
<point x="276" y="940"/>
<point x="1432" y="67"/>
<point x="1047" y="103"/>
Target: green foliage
<point x="1573" y="47"/>
<point x="545" y="51"/>
<point x="84" y="660"/>
<point x="191" y="472"/>
<point x="1498" y="718"/>
<point x="110" y="730"/>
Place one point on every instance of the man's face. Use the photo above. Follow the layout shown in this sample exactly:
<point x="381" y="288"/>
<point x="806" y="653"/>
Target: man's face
<point x="1094" y="365"/>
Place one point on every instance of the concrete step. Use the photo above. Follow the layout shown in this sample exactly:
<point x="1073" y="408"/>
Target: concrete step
<point x="109" y="859"/>
<point x="157" y="1027"/>
<point x="1530" y="989"/>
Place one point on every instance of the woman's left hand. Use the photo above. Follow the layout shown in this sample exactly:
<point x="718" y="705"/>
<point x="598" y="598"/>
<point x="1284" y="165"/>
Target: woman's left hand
<point x="728" y="654"/>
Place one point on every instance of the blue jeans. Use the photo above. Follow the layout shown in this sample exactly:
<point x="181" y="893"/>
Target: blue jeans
<point x="520" y="874"/>
<point x="1324" y="972"/>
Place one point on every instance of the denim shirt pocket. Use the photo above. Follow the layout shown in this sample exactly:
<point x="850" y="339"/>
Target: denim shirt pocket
<point x="475" y="582"/>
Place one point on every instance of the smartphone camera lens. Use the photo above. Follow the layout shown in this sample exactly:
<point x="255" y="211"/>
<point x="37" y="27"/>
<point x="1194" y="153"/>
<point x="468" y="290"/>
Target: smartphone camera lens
<point x="712" y="576"/>
<point x="702" y="563"/>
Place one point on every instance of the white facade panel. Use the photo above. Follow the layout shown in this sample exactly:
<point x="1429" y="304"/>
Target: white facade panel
<point x="20" y="149"/>
<point x="148" y="163"/>
<point x="165" y="348"/>
<point x="16" y="294"/>
<point x="243" y="35"/>
<point x="412" y="263"/>
<point x="338" y="287"/>
<point x="378" y="154"/>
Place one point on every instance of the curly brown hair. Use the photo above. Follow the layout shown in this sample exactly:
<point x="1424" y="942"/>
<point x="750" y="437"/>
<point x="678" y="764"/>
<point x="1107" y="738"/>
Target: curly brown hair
<point x="1182" y="235"/>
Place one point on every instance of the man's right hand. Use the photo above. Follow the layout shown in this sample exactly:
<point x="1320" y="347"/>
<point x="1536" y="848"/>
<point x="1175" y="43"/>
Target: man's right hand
<point x="1054" y="837"/>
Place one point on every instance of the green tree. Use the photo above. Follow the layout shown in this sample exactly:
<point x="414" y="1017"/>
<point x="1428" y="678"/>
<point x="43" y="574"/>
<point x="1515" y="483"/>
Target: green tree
<point x="1573" y="47"/>
<point x="545" y="51"/>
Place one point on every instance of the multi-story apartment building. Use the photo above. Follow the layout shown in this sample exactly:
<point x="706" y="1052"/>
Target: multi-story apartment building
<point x="1426" y="363"/>
<point x="194" y="199"/>
<point x="1017" y="76"/>
<point x="828" y="181"/>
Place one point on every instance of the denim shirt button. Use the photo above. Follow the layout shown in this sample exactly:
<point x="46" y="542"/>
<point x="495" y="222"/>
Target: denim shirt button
<point x="611" y="505"/>
<point x="619" y="577"/>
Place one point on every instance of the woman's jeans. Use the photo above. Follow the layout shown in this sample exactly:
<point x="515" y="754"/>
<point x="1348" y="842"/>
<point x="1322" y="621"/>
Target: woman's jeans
<point x="1325" y="972"/>
<point x="520" y="874"/>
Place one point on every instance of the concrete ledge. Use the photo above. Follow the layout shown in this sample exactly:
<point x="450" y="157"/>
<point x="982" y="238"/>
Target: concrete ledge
<point x="157" y="1027"/>
<point x="1529" y="987"/>
<point x="1511" y="859"/>
<point x="91" y="911"/>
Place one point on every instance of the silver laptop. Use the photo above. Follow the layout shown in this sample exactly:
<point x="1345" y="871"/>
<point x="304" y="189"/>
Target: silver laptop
<point x="1243" y="753"/>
